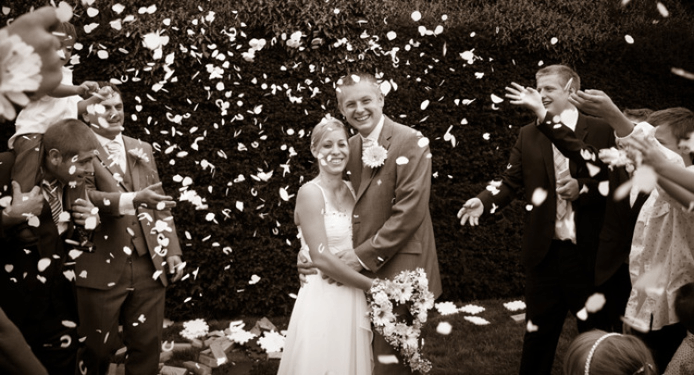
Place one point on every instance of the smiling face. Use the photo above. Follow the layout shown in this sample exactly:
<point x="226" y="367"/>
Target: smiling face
<point x="554" y="97"/>
<point x="332" y="150"/>
<point x="362" y="105"/>
<point x="109" y="122"/>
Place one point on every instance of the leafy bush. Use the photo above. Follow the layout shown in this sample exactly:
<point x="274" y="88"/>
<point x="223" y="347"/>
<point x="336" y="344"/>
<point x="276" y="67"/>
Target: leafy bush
<point x="235" y="133"/>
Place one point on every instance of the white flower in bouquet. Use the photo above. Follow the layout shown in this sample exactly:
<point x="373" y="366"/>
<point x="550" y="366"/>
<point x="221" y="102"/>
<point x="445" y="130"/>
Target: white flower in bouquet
<point x="194" y="329"/>
<point x="20" y="71"/>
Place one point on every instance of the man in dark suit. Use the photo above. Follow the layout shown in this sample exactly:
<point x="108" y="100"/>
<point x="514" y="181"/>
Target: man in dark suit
<point x="611" y="265"/>
<point x="560" y="235"/>
<point x="36" y="291"/>
<point x="391" y="224"/>
<point x="124" y="280"/>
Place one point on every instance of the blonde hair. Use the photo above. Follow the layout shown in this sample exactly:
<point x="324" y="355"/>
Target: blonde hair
<point x="325" y="126"/>
<point x="610" y="354"/>
<point x="564" y="72"/>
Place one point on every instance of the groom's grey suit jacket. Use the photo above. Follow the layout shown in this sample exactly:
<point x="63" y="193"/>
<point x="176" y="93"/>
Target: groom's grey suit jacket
<point x="391" y="223"/>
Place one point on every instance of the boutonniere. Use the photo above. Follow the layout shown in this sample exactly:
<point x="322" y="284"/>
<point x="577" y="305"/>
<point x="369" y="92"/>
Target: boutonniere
<point x="139" y="155"/>
<point x="374" y="156"/>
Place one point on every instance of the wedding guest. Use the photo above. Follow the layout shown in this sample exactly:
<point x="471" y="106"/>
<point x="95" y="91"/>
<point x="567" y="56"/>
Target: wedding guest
<point x="682" y="362"/>
<point x="35" y="290"/>
<point x="390" y="169"/>
<point x="663" y="239"/>
<point x="323" y="215"/>
<point x="124" y="279"/>
<point x="601" y="353"/>
<point x="561" y="232"/>
<point x="611" y="265"/>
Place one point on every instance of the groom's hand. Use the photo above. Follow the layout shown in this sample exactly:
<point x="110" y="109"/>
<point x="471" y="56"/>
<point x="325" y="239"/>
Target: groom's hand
<point x="305" y="267"/>
<point x="349" y="257"/>
<point x="471" y="211"/>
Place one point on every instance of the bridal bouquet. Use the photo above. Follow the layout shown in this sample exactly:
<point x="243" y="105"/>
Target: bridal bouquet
<point x="411" y="288"/>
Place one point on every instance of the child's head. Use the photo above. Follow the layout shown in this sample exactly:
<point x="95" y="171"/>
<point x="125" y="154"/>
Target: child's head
<point x="601" y="353"/>
<point x="637" y="115"/>
<point x="673" y="125"/>
<point x="68" y="36"/>
<point x="684" y="306"/>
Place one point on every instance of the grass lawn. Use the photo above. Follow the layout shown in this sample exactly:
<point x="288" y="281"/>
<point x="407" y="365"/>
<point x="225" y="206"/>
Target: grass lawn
<point x="492" y="349"/>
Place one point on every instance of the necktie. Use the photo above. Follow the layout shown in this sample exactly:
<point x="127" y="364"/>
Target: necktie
<point x="51" y="189"/>
<point x="561" y="169"/>
<point x="116" y="154"/>
<point x="366" y="143"/>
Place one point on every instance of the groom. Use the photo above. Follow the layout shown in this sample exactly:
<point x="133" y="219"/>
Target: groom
<point x="391" y="224"/>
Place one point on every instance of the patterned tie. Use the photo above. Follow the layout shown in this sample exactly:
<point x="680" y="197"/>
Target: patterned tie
<point x="51" y="189"/>
<point x="366" y="143"/>
<point x="561" y="169"/>
<point x="116" y="154"/>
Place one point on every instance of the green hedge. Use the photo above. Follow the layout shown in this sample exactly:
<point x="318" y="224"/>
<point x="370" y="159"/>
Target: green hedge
<point x="266" y="128"/>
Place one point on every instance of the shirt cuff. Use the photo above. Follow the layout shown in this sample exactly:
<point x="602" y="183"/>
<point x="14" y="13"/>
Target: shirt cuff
<point x="640" y="128"/>
<point x="125" y="205"/>
<point x="363" y="265"/>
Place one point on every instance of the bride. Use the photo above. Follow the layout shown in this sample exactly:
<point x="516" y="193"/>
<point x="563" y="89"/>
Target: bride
<point x="329" y="330"/>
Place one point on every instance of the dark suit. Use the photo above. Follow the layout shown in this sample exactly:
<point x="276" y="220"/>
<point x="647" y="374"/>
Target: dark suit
<point x="124" y="278"/>
<point x="40" y="303"/>
<point x="611" y="265"/>
<point x="558" y="273"/>
<point x="391" y="224"/>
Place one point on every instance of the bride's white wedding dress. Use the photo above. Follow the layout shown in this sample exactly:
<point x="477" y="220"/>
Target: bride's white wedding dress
<point x="329" y="331"/>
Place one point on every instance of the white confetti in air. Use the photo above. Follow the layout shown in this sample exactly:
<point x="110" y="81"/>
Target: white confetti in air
<point x="515" y="305"/>
<point x="486" y="136"/>
<point x="64" y="217"/>
<point x="388" y="359"/>
<point x="595" y="302"/>
<point x="283" y="194"/>
<point x="89" y="28"/>
<point x="63" y="12"/>
<point x="424" y="105"/>
<point x="682" y="73"/>
<point x="444" y="328"/>
<point x="6" y="10"/>
<point x="90" y="223"/>
<point x="476" y="320"/>
<point x="604" y="188"/>
<point x="72" y="170"/>
<point x="9" y="268"/>
<point x="554" y="40"/>
<point x="102" y="54"/>
<point x="161" y="206"/>
<point x="629" y="39"/>
<point x="416" y="16"/>
<point x="446" y="308"/>
<point x="402" y="160"/>
<point x="33" y="221"/>
<point x="254" y="279"/>
<point x="44" y="263"/>
<point x="472" y="309"/>
<point x="539" y="196"/>
<point x="582" y="315"/>
<point x="497" y="99"/>
<point x="69" y="324"/>
<point x="118" y="8"/>
<point x="423" y="142"/>
<point x="592" y="169"/>
<point x="391" y="35"/>
<point x="385" y="87"/>
<point x="663" y="10"/>
<point x="92" y="12"/>
<point x="530" y="327"/>
<point x="438" y="30"/>
<point x="645" y="178"/>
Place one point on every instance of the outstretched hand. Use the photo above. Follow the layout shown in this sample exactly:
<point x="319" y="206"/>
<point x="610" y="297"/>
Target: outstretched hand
<point x="645" y="150"/>
<point x="526" y="97"/>
<point x="594" y="102"/>
<point x="471" y="211"/>
<point x="150" y="198"/>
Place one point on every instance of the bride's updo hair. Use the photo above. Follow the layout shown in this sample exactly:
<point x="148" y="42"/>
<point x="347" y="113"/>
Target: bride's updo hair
<point x="325" y="126"/>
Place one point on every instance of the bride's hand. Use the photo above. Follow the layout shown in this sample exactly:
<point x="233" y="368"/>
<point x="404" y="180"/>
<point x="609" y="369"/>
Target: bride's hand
<point x="305" y="267"/>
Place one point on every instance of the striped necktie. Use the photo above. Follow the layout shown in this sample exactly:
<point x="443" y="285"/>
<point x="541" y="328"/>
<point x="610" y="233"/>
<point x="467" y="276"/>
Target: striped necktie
<point x="115" y="151"/>
<point x="561" y="170"/>
<point x="51" y="189"/>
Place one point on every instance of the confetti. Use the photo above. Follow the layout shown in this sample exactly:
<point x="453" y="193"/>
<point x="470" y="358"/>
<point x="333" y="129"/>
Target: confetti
<point x="444" y="328"/>
<point x="629" y="39"/>
<point x="416" y="16"/>
<point x="63" y="12"/>
<point x="530" y="327"/>
<point x="539" y="196"/>
<point x="515" y="305"/>
<point x="663" y="10"/>
<point x="476" y="320"/>
<point x="43" y="264"/>
<point x="595" y="303"/>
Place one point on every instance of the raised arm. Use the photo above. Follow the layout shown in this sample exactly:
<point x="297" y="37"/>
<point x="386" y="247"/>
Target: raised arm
<point x="310" y="207"/>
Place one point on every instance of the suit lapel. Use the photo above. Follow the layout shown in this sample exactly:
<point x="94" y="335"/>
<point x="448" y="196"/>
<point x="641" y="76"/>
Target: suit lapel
<point x="130" y="159"/>
<point x="547" y="153"/>
<point x="113" y="168"/>
<point x="369" y="173"/>
<point x="354" y="166"/>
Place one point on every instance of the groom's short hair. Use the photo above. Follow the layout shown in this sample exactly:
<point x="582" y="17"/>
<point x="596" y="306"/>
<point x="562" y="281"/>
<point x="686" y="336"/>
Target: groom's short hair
<point x="564" y="72"/>
<point x="354" y="78"/>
